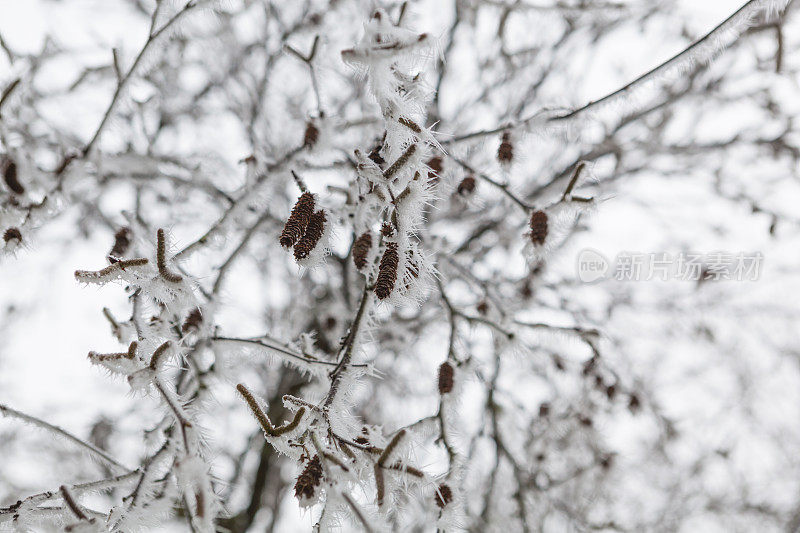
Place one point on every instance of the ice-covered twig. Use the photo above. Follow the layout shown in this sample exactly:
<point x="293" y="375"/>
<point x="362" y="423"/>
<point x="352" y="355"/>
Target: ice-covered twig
<point x="13" y="413"/>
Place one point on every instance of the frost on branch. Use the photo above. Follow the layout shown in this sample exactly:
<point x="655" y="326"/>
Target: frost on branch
<point x="432" y="364"/>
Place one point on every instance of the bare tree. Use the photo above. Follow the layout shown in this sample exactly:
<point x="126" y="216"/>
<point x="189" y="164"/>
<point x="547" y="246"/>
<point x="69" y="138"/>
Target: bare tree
<point x="350" y="221"/>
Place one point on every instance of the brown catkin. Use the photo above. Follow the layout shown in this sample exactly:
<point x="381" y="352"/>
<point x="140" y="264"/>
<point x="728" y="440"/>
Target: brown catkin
<point x="122" y="243"/>
<point x="291" y="426"/>
<point x="445" y="378"/>
<point x="298" y="220"/>
<point x="361" y="250"/>
<point x="11" y="177"/>
<point x="193" y="321"/>
<point x="155" y="359"/>
<point x="634" y="404"/>
<point x="258" y="412"/>
<point x="401" y="162"/>
<point x="312" y="235"/>
<point x="391" y="447"/>
<point x="308" y="480"/>
<point x="375" y="156"/>
<point x="435" y="166"/>
<point x="311" y="135"/>
<point x="538" y="225"/>
<point x="410" y="124"/>
<point x="544" y="410"/>
<point x="387" y="271"/>
<point x="161" y="259"/>
<point x="444" y="495"/>
<point x="12" y="234"/>
<point x="467" y="186"/>
<point x="199" y="504"/>
<point x="380" y="485"/>
<point x="505" y="152"/>
<point x="70" y="502"/>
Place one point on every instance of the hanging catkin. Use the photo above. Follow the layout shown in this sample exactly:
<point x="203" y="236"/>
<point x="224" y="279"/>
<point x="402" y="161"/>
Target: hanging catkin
<point x="298" y="220"/>
<point x="387" y="271"/>
<point x="361" y="249"/>
<point x="538" y="227"/>
<point x="312" y="235"/>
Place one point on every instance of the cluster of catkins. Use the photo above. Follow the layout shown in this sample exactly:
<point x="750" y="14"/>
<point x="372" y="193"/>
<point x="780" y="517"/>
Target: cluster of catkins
<point x="152" y="345"/>
<point x="393" y="183"/>
<point x="306" y="230"/>
<point x="12" y="235"/>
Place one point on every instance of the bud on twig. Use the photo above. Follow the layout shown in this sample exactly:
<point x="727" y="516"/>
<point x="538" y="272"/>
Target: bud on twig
<point x="505" y="152"/>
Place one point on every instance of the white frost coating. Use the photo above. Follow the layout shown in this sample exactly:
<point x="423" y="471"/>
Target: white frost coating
<point x="701" y="51"/>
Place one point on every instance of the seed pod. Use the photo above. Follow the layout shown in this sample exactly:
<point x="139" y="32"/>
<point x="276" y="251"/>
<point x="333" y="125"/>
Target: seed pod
<point x="387" y="271"/>
<point x="305" y="489"/>
<point x="445" y="378"/>
<point x="11" y="177"/>
<point x="538" y="225"/>
<point x="387" y="230"/>
<point x="314" y="231"/>
<point x="295" y="226"/>
<point x="467" y="186"/>
<point x="361" y="249"/>
<point x="311" y="135"/>
<point x="12" y="236"/>
<point x="122" y="242"/>
<point x="444" y="495"/>
<point x="505" y="152"/>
